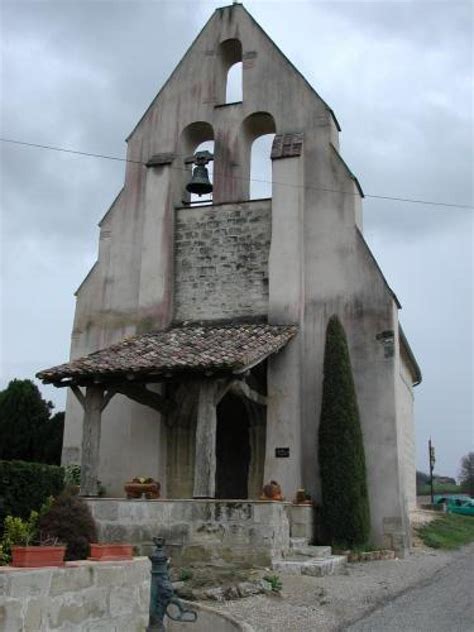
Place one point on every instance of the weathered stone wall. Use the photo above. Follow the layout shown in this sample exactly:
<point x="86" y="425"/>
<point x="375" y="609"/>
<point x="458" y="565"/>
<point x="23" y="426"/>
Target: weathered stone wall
<point x="221" y="261"/>
<point x="246" y="533"/>
<point x="405" y="402"/>
<point x="92" y="596"/>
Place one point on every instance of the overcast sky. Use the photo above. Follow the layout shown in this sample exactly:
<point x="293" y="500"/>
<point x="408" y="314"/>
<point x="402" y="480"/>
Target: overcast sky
<point x="398" y="75"/>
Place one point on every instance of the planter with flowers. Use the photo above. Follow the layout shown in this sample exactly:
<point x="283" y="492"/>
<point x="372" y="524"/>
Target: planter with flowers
<point x="25" y="546"/>
<point x="111" y="552"/>
<point x="142" y="486"/>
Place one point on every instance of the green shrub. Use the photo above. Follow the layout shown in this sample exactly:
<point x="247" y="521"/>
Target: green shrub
<point x="25" y="487"/>
<point x="72" y="474"/>
<point x="274" y="581"/>
<point x="69" y="519"/>
<point x="345" y="503"/>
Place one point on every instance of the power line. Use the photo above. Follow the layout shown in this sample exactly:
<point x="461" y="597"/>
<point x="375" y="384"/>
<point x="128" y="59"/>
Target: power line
<point x="140" y="162"/>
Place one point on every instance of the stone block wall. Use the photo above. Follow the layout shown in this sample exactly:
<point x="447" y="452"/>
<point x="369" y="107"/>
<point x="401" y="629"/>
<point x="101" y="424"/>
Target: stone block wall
<point x="302" y="522"/>
<point x="221" y="261"/>
<point x="89" y="596"/>
<point x="246" y="533"/>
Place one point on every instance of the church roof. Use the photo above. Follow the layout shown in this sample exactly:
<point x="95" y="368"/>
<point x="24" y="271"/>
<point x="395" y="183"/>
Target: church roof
<point x="210" y="348"/>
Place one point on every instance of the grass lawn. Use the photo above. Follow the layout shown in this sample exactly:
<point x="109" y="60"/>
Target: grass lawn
<point x="438" y="488"/>
<point x="448" y="532"/>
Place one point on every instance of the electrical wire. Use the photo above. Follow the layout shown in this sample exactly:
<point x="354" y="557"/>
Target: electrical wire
<point x="327" y="190"/>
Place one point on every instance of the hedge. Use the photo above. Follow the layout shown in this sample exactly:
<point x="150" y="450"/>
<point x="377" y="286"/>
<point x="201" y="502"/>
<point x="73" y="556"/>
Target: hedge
<point x="25" y="486"/>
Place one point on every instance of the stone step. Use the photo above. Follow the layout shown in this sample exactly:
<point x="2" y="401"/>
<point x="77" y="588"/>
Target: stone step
<point x="297" y="542"/>
<point x="309" y="551"/>
<point x="316" y="567"/>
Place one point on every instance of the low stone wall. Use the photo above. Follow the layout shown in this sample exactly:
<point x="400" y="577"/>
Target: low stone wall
<point x="89" y="596"/>
<point x="249" y="533"/>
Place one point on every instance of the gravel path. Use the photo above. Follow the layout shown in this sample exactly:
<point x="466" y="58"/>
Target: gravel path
<point x="310" y="604"/>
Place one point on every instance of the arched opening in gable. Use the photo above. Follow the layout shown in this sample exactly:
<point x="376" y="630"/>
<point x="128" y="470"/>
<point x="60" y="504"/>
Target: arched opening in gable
<point x="230" y="89"/>
<point x="258" y="131"/>
<point x="198" y="136"/>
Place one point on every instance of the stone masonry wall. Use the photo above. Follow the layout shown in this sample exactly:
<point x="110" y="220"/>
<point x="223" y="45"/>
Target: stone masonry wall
<point x="221" y="261"/>
<point x="247" y="533"/>
<point x="89" y="596"/>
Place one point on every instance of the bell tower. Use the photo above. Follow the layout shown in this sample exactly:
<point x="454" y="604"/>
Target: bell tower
<point x="294" y="259"/>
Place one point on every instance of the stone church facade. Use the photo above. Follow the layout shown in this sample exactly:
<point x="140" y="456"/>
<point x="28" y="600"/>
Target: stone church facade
<point x="219" y="311"/>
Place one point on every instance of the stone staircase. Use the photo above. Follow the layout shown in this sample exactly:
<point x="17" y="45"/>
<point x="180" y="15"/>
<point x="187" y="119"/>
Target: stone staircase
<point x="303" y="559"/>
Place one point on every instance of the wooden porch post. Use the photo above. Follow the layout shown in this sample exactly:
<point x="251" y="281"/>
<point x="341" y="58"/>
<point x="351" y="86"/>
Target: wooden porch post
<point x="93" y="406"/>
<point x="206" y="428"/>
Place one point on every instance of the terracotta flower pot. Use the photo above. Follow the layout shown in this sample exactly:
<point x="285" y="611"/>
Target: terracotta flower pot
<point x="272" y="491"/>
<point x="111" y="552"/>
<point x="137" y="490"/>
<point x="35" y="556"/>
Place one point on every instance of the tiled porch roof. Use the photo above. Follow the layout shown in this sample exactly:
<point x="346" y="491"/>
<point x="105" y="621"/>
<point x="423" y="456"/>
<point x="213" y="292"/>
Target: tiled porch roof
<point x="187" y="348"/>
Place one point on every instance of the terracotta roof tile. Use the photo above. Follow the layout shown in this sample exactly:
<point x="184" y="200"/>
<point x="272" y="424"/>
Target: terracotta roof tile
<point x="197" y="348"/>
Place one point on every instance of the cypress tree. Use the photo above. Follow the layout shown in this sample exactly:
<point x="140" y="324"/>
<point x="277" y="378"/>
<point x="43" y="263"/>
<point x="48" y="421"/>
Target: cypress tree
<point x="345" y="503"/>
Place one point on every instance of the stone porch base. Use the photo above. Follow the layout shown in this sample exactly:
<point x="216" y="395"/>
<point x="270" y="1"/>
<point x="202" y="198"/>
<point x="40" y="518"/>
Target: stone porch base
<point x="241" y="532"/>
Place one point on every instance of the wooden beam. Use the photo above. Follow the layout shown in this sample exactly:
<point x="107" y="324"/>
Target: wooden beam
<point x="206" y="430"/>
<point x="93" y="405"/>
<point x="108" y="396"/>
<point x="79" y="395"/>
<point x="241" y="387"/>
<point x="142" y="395"/>
<point x="222" y="388"/>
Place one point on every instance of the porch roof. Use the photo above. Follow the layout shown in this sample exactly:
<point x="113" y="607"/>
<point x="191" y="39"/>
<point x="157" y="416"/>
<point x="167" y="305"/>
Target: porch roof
<point x="211" y="348"/>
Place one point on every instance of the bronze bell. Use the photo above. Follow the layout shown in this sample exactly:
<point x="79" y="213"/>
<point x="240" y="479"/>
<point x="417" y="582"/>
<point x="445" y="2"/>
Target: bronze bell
<point x="199" y="183"/>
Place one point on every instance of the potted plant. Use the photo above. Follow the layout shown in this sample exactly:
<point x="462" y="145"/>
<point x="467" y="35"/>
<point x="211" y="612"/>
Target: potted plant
<point x="70" y="520"/>
<point x="72" y="480"/>
<point x="108" y="552"/>
<point x="141" y="485"/>
<point x="302" y="497"/>
<point x="27" y="546"/>
<point x="272" y="491"/>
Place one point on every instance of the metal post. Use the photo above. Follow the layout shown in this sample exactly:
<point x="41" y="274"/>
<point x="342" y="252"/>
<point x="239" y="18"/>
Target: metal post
<point x="432" y="460"/>
<point x="162" y="592"/>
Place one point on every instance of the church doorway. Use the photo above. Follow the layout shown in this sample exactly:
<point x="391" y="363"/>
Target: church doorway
<point x="233" y="451"/>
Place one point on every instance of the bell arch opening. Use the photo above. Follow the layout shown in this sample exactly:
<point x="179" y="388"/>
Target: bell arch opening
<point x="258" y="132"/>
<point x="198" y="136"/>
<point x="230" y="74"/>
<point x="260" y="185"/>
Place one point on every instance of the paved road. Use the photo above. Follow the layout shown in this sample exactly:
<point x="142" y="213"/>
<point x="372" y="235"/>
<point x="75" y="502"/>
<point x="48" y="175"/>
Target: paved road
<point x="444" y="603"/>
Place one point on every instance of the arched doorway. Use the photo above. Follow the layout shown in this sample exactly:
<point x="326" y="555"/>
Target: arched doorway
<point x="233" y="451"/>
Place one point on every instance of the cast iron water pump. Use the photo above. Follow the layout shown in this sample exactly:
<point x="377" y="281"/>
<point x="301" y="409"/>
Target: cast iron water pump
<point x="162" y="593"/>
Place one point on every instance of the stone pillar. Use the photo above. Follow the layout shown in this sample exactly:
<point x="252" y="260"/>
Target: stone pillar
<point x="93" y="404"/>
<point x="206" y="429"/>
<point x="156" y="268"/>
<point x="286" y="305"/>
